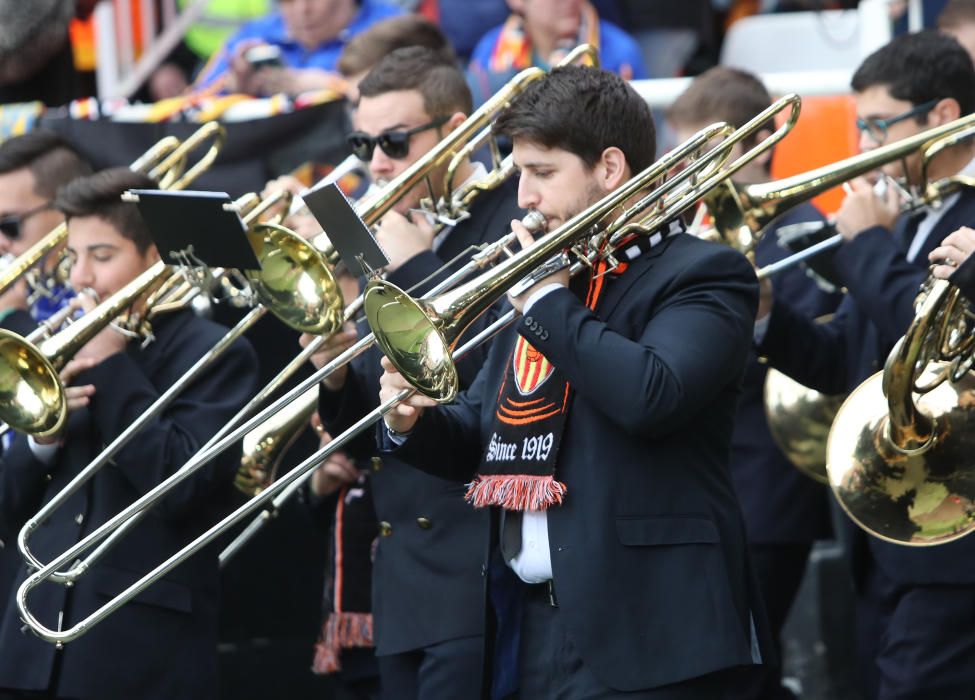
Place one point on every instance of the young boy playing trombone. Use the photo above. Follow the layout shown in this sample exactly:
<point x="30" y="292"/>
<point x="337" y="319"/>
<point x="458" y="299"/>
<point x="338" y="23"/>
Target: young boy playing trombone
<point x="162" y="644"/>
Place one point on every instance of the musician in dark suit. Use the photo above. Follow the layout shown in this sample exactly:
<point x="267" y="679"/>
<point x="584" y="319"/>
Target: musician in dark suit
<point x="785" y="511"/>
<point x="427" y="586"/>
<point x="32" y="167"/>
<point x="601" y="423"/>
<point x="162" y="644"/>
<point x="914" y="606"/>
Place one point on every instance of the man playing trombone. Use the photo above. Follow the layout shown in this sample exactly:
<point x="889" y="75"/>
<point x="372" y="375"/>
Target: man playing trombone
<point x="601" y="423"/>
<point x="32" y="167"/>
<point x="427" y="646"/>
<point x="914" y="606"/>
<point x="163" y="644"/>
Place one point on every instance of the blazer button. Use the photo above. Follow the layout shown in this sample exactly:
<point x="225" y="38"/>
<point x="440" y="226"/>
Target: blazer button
<point x="424" y="523"/>
<point x="529" y="320"/>
<point x="377" y="464"/>
<point x="79" y="518"/>
<point x="385" y="529"/>
<point x="543" y="335"/>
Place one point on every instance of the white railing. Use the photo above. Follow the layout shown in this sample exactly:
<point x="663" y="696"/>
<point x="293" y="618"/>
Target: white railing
<point x="119" y="72"/>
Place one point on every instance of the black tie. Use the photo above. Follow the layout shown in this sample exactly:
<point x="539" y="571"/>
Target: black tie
<point x="510" y="534"/>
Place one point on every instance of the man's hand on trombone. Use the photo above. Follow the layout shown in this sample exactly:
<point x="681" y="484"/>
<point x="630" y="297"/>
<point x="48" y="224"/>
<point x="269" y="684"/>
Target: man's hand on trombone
<point x="863" y="208"/>
<point x="404" y="415"/>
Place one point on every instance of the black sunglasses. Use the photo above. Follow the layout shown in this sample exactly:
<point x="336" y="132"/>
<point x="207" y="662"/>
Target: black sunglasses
<point x="10" y="224"/>
<point x="395" y="144"/>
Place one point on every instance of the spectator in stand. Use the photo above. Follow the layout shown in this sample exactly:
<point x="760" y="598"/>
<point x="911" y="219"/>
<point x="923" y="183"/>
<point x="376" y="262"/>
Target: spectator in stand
<point x="540" y="33"/>
<point x="36" y="61"/>
<point x="303" y="41"/>
<point x="957" y="19"/>
<point x="670" y="34"/>
<point x="220" y="19"/>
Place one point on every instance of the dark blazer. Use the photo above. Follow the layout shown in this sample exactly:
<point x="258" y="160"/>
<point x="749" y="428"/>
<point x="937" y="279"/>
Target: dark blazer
<point x="780" y="503"/>
<point x="432" y="541"/>
<point x="648" y="549"/>
<point x="163" y="643"/>
<point x="837" y="356"/>
<point x="19" y="322"/>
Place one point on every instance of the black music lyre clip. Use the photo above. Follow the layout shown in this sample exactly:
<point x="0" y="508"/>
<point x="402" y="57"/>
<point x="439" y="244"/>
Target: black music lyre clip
<point x="195" y="228"/>
<point x="347" y="232"/>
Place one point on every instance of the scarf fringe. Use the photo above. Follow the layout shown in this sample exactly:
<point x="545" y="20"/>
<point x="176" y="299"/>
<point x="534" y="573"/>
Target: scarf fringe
<point x="515" y="491"/>
<point x="342" y="630"/>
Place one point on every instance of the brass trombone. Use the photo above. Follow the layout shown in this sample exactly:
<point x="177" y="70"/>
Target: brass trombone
<point x="690" y="195"/>
<point x="272" y="243"/>
<point x="165" y="162"/>
<point x="799" y="418"/>
<point x="742" y="212"/>
<point x="448" y="209"/>
<point x="445" y="153"/>
<point x="417" y="337"/>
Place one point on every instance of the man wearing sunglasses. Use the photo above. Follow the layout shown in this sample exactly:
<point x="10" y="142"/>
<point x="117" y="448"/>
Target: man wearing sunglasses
<point x="429" y="645"/>
<point x="915" y="606"/>
<point x="32" y="167"/>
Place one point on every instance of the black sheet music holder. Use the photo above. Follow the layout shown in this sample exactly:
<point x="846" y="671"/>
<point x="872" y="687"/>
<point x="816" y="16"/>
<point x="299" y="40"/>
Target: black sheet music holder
<point x="195" y="229"/>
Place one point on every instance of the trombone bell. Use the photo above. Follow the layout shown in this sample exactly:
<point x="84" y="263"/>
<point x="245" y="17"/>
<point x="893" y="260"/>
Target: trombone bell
<point x="412" y="341"/>
<point x="799" y="419"/>
<point x="30" y="390"/>
<point x="911" y="497"/>
<point x="294" y="281"/>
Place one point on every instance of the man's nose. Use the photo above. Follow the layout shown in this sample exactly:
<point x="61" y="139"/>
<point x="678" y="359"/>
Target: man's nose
<point x="81" y="276"/>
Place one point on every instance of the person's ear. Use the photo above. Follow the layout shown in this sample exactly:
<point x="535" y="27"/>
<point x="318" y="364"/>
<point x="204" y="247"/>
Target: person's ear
<point x="456" y="119"/>
<point x="612" y="170"/>
<point x="151" y="256"/>
<point x="947" y="110"/>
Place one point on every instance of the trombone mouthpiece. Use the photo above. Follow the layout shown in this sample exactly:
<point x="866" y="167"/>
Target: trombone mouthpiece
<point x="534" y="221"/>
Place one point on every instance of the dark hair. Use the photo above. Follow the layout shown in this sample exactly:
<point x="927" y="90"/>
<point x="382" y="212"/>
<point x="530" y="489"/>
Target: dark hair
<point x="51" y="160"/>
<point x="437" y="78"/>
<point x="955" y="13"/>
<point x="583" y="111"/>
<point x="918" y="68"/>
<point x="366" y="50"/>
<point x="101" y="195"/>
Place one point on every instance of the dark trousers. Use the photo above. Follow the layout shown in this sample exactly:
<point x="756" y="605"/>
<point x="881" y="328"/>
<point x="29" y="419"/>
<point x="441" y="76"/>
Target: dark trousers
<point x="779" y="569"/>
<point x="915" y="642"/>
<point x="445" y="671"/>
<point x="550" y="666"/>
